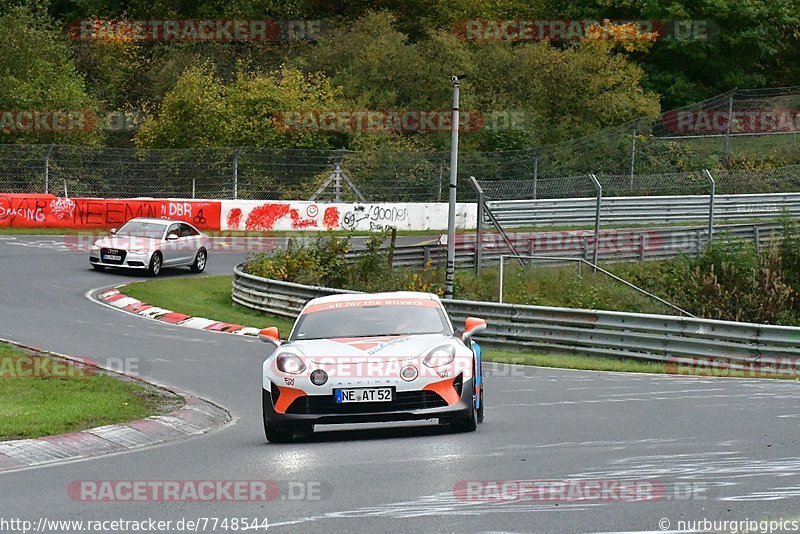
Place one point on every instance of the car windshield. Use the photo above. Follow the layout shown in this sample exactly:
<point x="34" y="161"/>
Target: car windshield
<point x="371" y="320"/>
<point x="142" y="229"/>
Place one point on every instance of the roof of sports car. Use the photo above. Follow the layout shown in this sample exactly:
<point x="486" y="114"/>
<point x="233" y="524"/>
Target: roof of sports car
<point x="349" y="297"/>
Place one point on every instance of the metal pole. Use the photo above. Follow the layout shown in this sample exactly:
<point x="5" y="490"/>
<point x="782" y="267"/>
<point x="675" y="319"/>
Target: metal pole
<point x="535" y="176"/>
<point x="47" y="168"/>
<point x="728" y="129"/>
<point x="478" y="227"/>
<point x="451" y="217"/>
<point x="710" y="205"/>
<point x="236" y="173"/>
<point x="599" y="189"/>
<point x="66" y="193"/>
<point x="633" y="151"/>
<point x="500" y="281"/>
<point x="194" y="186"/>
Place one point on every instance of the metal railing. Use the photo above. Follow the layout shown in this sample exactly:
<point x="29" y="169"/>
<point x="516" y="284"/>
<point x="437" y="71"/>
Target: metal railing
<point x="644" y="210"/>
<point x="565" y="330"/>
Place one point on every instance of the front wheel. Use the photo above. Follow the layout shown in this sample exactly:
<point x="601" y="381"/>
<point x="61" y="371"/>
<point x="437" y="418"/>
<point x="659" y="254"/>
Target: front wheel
<point x="156" y="262"/>
<point x="199" y="264"/>
<point x="468" y="423"/>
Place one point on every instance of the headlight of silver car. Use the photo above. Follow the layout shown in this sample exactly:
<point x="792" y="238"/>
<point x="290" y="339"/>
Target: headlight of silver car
<point x="138" y="251"/>
<point x="440" y="356"/>
<point x="290" y="363"/>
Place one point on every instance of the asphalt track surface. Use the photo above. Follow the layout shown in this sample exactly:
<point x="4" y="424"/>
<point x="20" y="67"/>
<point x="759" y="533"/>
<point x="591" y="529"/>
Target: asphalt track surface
<point x="723" y="449"/>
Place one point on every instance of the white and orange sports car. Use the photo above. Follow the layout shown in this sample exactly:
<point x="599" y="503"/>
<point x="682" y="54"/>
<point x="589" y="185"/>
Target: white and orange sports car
<point x="363" y="357"/>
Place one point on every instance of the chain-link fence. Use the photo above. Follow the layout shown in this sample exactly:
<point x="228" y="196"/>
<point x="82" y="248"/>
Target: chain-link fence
<point x="748" y="138"/>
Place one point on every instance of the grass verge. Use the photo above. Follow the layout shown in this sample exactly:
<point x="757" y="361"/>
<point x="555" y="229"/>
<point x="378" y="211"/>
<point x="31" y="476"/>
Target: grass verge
<point x="42" y="395"/>
<point x="206" y="296"/>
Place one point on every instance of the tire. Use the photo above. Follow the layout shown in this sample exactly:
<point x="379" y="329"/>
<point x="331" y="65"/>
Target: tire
<point x="156" y="264"/>
<point x="278" y="435"/>
<point x="480" y="409"/>
<point x="469" y="423"/>
<point x="99" y="267"/>
<point x="199" y="264"/>
<point x="273" y="433"/>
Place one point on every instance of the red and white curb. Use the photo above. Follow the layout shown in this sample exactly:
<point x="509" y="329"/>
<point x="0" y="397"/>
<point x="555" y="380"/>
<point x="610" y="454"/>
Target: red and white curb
<point x="114" y="298"/>
<point x="197" y="416"/>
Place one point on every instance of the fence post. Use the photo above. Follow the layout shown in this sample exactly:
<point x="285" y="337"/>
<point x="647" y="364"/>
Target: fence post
<point x="599" y="189"/>
<point x="47" y="168"/>
<point x="710" y="205"/>
<point x="194" y="186"/>
<point x="337" y="182"/>
<point x="236" y="173"/>
<point x="633" y="150"/>
<point x="500" y="282"/>
<point x="392" y="242"/>
<point x="478" y="227"/>
<point x="441" y="170"/>
<point x="728" y="128"/>
<point x="535" y="175"/>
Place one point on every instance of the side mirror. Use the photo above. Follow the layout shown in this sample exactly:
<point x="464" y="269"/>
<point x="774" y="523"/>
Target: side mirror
<point x="472" y="326"/>
<point x="172" y="237"/>
<point x="270" y="335"/>
<point x="113" y="231"/>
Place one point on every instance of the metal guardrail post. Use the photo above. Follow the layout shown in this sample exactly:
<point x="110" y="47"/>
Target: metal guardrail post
<point x="757" y="239"/>
<point x="711" y="205"/>
<point x="599" y="189"/>
<point x="535" y="176"/>
<point x="478" y="226"/>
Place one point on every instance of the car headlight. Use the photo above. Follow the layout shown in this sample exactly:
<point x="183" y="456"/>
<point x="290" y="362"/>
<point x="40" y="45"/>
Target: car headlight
<point x="95" y="248"/>
<point x="139" y="251"/>
<point x="290" y="363"/>
<point x="440" y="356"/>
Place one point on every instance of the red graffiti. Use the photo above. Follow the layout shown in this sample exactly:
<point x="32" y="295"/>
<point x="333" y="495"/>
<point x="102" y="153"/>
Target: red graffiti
<point x="47" y="211"/>
<point x="265" y="216"/>
<point x="298" y="223"/>
<point x="331" y="218"/>
<point x="234" y="219"/>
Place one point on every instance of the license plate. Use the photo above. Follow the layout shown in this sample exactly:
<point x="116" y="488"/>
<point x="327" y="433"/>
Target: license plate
<point x="112" y="257"/>
<point x="344" y="396"/>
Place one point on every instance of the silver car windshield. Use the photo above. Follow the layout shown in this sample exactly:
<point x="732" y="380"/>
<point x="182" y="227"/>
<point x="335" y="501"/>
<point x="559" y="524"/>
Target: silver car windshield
<point x="368" y="321"/>
<point x="142" y="229"/>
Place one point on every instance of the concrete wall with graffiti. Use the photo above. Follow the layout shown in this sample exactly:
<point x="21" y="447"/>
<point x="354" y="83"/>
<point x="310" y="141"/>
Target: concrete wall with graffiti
<point x="254" y="215"/>
<point x="48" y="211"/>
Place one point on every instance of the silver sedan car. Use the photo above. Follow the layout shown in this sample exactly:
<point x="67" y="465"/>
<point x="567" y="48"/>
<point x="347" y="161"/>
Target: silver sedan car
<point x="151" y="244"/>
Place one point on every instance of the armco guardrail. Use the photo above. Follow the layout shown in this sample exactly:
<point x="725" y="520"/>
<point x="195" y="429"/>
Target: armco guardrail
<point x="565" y="330"/>
<point x="643" y="210"/>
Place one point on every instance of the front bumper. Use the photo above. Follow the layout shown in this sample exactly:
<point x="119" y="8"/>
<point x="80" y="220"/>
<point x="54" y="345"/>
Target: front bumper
<point x="407" y="406"/>
<point x="129" y="261"/>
